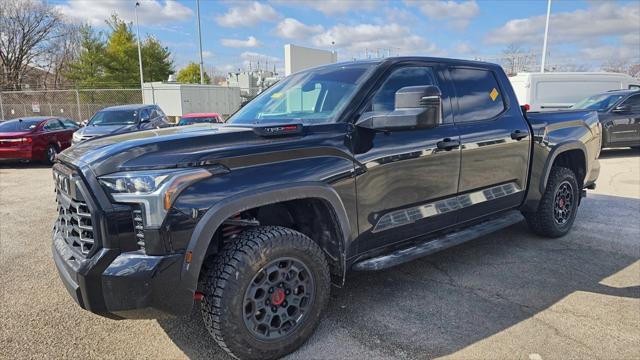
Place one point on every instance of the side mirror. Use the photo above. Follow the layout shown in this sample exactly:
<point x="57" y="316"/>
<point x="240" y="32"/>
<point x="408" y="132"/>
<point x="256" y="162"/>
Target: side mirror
<point x="622" y="109"/>
<point x="416" y="107"/>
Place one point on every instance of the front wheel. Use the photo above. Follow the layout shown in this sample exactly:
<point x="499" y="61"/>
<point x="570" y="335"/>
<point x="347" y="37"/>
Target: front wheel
<point x="559" y="204"/>
<point x="265" y="294"/>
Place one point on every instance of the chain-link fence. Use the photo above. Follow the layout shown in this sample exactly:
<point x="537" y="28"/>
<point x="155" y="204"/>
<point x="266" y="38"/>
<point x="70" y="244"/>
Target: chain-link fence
<point x="74" y="104"/>
<point x="80" y="105"/>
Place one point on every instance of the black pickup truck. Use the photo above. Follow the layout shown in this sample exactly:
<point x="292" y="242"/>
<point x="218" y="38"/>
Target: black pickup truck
<point x="346" y="167"/>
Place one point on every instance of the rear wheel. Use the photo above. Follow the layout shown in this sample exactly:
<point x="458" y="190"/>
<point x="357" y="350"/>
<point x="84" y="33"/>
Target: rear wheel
<point x="50" y="154"/>
<point x="265" y="294"/>
<point x="559" y="204"/>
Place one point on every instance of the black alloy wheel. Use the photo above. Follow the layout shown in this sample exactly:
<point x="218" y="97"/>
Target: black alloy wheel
<point x="278" y="298"/>
<point x="563" y="204"/>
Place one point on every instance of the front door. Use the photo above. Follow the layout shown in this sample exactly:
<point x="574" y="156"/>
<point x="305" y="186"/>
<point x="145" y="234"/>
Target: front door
<point x="624" y="127"/>
<point x="496" y="143"/>
<point x="403" y="180"/>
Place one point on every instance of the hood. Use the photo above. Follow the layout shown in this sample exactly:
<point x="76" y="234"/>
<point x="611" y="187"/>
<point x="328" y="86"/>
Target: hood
<point x="94" y="131"/>
<point x="162" y="148"/>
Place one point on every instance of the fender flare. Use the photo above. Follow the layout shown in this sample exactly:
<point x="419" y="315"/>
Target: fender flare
<point x="553" y="154"/>
<point x="213" y="218"/>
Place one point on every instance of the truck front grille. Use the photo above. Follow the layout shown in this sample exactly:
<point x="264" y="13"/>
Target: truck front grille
<point x="74" y="224"/>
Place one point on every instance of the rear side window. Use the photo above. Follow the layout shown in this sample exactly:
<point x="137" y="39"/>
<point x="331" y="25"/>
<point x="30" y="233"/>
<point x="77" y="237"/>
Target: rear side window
<point x="53" y="125"/>
<point x="479" y="96"/>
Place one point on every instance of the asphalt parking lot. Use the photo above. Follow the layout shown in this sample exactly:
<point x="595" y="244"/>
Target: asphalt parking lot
<point x="507" y="295"/>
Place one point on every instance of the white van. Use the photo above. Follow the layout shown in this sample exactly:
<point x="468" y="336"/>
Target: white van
<point x="559" y="90"/>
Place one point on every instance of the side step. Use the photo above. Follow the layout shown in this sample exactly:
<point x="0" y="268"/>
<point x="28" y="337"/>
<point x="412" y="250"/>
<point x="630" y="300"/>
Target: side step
<point x="433" y="245"/>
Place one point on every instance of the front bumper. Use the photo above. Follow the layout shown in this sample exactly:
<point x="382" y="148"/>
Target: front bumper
<point x="123" y="285"/>
<point x="105" y="272"/>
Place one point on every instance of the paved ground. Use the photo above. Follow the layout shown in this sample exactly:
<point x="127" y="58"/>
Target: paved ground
<point x="507" y="295"/>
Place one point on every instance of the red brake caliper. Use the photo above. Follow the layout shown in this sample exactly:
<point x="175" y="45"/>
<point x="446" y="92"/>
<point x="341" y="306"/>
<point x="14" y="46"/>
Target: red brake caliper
<point x="278" y="296"/>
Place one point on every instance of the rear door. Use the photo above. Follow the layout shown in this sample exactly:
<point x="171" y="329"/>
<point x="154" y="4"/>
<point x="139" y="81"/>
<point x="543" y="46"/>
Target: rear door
<point x="624" y="127"/>
<point x="495" y="142"/>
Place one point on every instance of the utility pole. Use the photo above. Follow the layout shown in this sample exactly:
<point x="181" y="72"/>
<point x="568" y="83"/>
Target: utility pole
<point x="546" y="35"/>
<point x="200" y="40"/>
<point x="139" y="50"/>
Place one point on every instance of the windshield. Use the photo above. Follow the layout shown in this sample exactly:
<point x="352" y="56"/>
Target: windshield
<point x="313" y="96"/>
<point x="18" y="125"/>
<point x="114" y="117"/>
<point x="602" y="102"/>
<point x="197" y="120"/>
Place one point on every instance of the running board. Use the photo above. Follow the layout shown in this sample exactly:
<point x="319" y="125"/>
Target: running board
<point x="433" y="245"/>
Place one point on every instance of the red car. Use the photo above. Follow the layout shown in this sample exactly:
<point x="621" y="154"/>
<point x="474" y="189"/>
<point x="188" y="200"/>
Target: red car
<point x="35" y="138"/>
<point x="197" y="118"/>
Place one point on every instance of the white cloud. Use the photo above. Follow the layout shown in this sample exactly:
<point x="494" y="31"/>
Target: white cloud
<point x="389" y="38"/>
<point x="238" y="43"/>
<point x="254" y="56"/>
<point x="207" y="54"/>
<point x="462" y="48"/>
<point x="332" y="7"/>
<point x="248" y="15"/>
<point x="457" y="14"/>
<point x="293" y="29"/>
<point x="602" y="19"/>
<point x="150" y="12"/>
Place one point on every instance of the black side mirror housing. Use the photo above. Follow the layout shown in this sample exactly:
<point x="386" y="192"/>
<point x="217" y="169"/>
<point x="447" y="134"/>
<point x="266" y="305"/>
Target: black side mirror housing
<point x="416" y="107"/>
<point x="622" y="109"/>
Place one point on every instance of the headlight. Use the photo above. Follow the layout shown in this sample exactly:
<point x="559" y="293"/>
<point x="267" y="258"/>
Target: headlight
<point x="154" y="190"/>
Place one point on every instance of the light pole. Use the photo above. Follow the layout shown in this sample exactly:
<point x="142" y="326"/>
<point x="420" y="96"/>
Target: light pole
<point x="139" y="49"/>
<point x="200" y="40"/>
<point x="546" y="34"/>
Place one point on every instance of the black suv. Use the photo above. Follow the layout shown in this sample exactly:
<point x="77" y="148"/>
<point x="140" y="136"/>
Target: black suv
<point x="619" y="113"/>
<point x="346" y="167"/>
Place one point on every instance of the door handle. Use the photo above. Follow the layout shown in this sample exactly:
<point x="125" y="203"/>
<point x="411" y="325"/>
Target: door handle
<point x="519" y="135"/>
<point x="448" y="144"/>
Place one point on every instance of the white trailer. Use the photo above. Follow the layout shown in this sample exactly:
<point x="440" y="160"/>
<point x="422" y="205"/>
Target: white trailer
<point x="179" y="99"/>
<point x="559" y="90"/>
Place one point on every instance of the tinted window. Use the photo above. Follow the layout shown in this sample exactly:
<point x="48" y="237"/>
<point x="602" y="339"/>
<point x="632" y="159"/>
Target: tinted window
<point x="160" y="113"/>
<point x="479" y="96"/>
<point x="114" y="117"/>
<point x="53" y="125"/>
<point x="634" y="101"/>
<point x="18" y="125"/>
<point x="384" y="99"/>
<point x="153" y="113"/>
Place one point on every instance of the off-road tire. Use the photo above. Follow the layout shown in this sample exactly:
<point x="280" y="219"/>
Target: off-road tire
<point x="226" y="281"/>
<point x="543" y="221"/>
<point x="47" y="159"/>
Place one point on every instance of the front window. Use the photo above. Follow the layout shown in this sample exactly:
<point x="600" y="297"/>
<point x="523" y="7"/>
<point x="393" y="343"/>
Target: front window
<point x="114" y="117"/>
<point x="313" y="96"/>
<point x="602" y="102"/>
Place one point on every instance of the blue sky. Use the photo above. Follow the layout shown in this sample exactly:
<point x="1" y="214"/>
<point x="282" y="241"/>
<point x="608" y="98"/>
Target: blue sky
<point x="235" y="33"/>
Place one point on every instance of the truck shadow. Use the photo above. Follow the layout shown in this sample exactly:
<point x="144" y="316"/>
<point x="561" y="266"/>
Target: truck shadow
<point x="445" y="302"/>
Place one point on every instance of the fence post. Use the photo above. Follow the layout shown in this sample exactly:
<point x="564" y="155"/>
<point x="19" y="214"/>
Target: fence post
<point x="78" y="103"/>
<point x="1" y="108"/>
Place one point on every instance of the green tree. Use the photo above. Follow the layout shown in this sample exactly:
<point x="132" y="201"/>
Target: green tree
<point x="88" y="69"/>
<point x="190" y="74"/>
<point x="156" y="60"/>
<point x="121" y="54"/>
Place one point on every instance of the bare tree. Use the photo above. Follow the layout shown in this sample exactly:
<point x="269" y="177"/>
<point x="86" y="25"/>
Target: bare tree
<point x="28" y="31"/>
<point x="58" y="59"/>
<point x="515" y="59"/>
